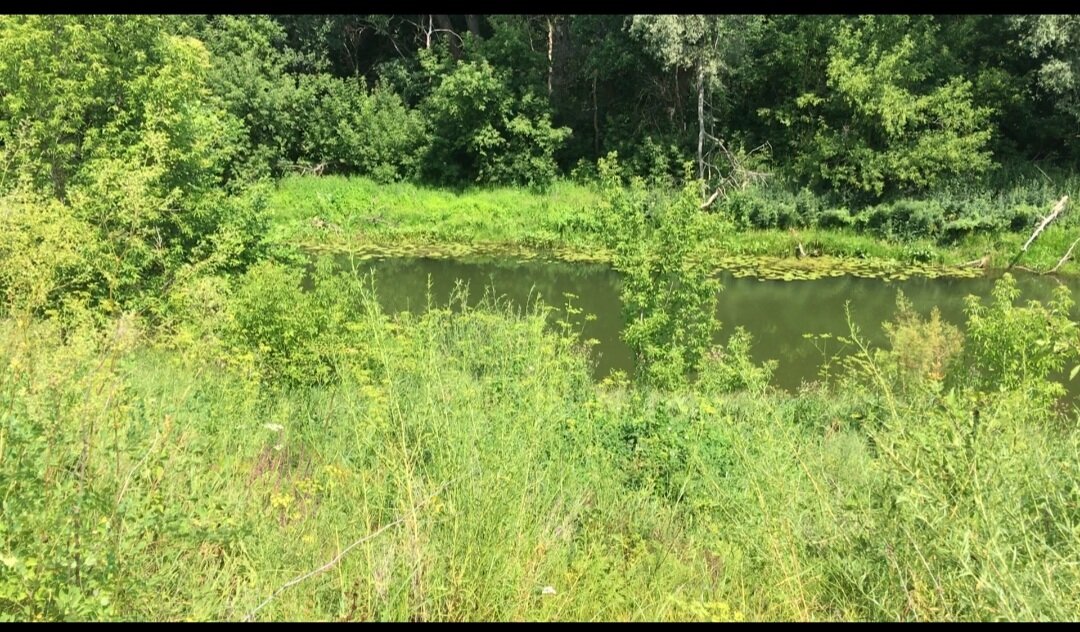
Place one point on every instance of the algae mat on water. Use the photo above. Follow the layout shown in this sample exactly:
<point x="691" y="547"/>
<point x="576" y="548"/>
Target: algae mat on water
<point x="811" y="268"/>
<point x="762" y="267"/>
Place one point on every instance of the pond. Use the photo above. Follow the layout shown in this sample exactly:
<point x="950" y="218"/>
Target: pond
<point x="777" y="313"/>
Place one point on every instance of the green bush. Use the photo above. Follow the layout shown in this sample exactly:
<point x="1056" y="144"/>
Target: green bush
<point x="352" y="131"/>
<point x="297" y="336"/>
<point x="729" y="369"/>
<point x="114" y="117"/>
<point x="669" y="293"/>
<point x="46" y="254"/>
<point x="900" y="132"/>
<point x="659" y="443"/>
<point x="250" y="77"/>
<point x="483" y="132"/>
<point x="1021" y="348"/>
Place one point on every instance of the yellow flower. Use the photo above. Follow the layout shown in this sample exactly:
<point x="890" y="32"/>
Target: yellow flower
<point x="281" y="501"/>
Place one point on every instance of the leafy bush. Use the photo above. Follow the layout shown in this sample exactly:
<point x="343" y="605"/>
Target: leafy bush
<point x="730" y="369"/>
<point x="352" y="131"/>
<point x="113" y="116"/>
<point x="297" y="336"/>
<point x="922" y="353"/>
<point x="669" y="294"/>
<point x="250" y="77"/>
<point x="45" y="253"/>
<point x="1020" y="348"/>
<point x="899" y="134"/>
<point x="482" y="132"/>
<point x="659" y="443"/>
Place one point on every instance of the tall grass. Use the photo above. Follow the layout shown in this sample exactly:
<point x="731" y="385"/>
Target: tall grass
<point x="565" y="214"/>
<point x="460" y="465"/>
<point x="950" y="226"/>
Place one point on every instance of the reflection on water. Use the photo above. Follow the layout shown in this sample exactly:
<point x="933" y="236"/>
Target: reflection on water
<point x="776" y="313"/>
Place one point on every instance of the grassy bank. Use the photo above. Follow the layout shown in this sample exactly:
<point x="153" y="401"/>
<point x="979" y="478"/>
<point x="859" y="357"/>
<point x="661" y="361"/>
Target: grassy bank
<point x="462" y="466"/>
<point x="347" y="213"/>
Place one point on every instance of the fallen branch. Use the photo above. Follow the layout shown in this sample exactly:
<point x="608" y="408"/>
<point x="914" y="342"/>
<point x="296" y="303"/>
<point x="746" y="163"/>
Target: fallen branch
<point x="981" y="262"/>
<point x="800" y="252"/>
<point x="711" y="199"/>
<point x="322" y="568"/>
<point x="1065" y="258"/>
<point x="1058" y="208"/>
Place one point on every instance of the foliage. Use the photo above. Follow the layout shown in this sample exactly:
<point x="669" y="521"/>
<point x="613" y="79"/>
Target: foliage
<point x="250" y="76"/>
<point x="45" y="252"/>
<point x="483" y="132"/>
<point x="874" y="499"/>
<point x="130" y="141"/>
<point x="297" y="336"/>
<point x="668" y="293"/>
<point x="899" y="134"/>
<point x="1051" y="39"/>
<point x="349" y="130"/>
<point x="194" y="416"/>
<point x="729" y="369"/>
<point x="1020" y="348"/>
<point x="494" y="102"/>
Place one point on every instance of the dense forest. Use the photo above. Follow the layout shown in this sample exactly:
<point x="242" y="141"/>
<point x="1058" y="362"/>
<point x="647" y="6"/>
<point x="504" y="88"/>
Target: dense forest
<point x="900" y="125"/>
<point x="204" y="418"/>
<point x="857" y="107"/>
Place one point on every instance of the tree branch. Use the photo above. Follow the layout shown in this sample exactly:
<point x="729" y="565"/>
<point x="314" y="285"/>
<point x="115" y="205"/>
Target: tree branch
<point x="1058" y="208"/>
<point x="1064" y="258"/>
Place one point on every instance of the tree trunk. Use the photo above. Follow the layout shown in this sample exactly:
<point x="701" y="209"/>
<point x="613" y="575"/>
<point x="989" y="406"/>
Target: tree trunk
<point x="595" y="119"/>
<point x="474" y="25"/>
<point x="1063" y="259"/>
<point x="551" y="50"/>
<point x="701" y="120"/>
<point x="1058" y="208"/>
<point x="451" y="37"/>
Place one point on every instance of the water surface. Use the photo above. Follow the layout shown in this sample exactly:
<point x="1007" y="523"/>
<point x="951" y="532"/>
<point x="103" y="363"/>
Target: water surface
<point x="777" y="313"/>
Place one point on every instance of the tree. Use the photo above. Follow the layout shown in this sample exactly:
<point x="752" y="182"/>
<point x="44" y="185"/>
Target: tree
<point x="113" y="117"/>
<point x="483" y="131"/>
<point x="885" y="120"/>
<point x="714" y="46"/>
<point x="250" y="77"/>
<point x="669" y="292"/>
<point x="1054" y="42"/>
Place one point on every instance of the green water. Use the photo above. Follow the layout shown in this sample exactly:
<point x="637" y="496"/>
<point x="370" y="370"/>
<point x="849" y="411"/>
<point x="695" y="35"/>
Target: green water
<point x="776" y="313"/>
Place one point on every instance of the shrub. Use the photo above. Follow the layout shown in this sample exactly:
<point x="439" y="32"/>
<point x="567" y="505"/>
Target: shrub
<point x="45" y="253"/>
<point x="483" y="132"/>
<point x="353" y="131"/>
<point x="1020" y="348"/>
<point x="730" y="369"/>
<point x="297" y="336"/>
<point x="669" y="294"/>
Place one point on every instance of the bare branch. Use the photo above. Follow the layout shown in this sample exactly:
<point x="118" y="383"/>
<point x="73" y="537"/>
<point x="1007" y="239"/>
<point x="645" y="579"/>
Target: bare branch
<point x="1058" y="208"/>
<point x="337" y="558"/>
<point x="1064" y="258"/>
